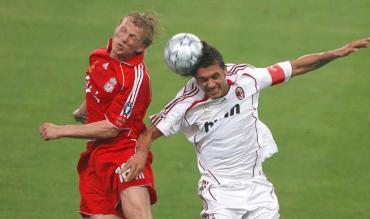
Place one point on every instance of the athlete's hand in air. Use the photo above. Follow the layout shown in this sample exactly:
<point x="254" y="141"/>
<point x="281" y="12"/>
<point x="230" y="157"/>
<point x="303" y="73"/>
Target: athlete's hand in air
<point x="352" y="47"/>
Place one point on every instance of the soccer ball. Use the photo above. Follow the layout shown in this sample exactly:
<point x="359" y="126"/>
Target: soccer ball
<point x="182" y="52"/>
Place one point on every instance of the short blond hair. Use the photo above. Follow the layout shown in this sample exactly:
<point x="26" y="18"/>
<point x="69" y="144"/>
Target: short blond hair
<point x="147" y="21"/>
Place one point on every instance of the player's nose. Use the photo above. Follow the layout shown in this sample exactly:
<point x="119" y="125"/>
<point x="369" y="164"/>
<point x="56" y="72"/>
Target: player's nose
<point x="123" y="38"/>
<point x="211" y="84"/>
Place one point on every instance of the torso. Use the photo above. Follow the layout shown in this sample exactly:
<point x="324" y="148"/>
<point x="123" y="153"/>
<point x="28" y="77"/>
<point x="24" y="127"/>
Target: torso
<point x="118" y="92"/>
<point x="224" y="131"/>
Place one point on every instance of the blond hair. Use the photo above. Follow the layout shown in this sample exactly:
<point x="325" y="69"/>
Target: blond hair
<point x="147" y="21"/>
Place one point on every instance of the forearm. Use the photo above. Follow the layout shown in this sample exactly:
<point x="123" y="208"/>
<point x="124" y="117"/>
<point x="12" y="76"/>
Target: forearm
<point x="82" y="107"/>
<point x="88" y="131"/>
<point x="137" y="162"/>
<point x="146" y="139"/>
<point x="97" y="130"/>
<point x="312" y="62"/>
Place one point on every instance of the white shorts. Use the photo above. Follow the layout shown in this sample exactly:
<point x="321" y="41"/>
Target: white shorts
<point x="251" y="199"/>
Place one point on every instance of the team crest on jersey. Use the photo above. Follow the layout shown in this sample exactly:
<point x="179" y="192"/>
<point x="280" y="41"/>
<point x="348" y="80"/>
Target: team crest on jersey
<point x="105" y="65"/>
<point x="239" y="92"/>
<point x="109" y="86"/>
<point x="127" y="109"/>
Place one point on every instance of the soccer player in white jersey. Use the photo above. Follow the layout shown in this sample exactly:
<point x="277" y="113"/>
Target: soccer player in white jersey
<point x="217" y="110"/>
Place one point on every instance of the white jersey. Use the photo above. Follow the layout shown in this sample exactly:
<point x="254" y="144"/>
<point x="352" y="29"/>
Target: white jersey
<point x="230" y="141"/>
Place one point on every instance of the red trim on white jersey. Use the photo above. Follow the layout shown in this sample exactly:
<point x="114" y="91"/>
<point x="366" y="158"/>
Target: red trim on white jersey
<point x="205" y="98"/>
<point x="255" y="122"/>
<point x="157" y="118"/>
<point x="234" y="68"/>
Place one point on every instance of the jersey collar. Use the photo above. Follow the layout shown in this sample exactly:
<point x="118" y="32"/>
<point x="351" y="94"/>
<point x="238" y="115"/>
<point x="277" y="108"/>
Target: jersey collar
<point x="139" y="58"/>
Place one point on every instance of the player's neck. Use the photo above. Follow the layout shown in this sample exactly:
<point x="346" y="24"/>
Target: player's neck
<point x="121" y="58"/>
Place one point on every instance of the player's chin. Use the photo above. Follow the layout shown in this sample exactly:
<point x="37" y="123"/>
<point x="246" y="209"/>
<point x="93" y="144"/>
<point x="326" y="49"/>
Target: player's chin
<point x="122" y="52"/>
<point x="214" y="94"/>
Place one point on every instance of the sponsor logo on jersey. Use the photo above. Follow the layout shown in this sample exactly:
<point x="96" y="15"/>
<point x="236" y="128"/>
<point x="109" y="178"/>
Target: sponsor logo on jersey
<point x="109" y="86"/>
<point x="233" y="111"/>
<point x="89" y="89"/>
<point x="239" y="92"/>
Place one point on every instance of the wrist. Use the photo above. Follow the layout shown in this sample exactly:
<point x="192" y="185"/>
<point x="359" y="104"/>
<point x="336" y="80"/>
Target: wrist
<point x="142" y="150"/>
<point x="60" y="131"/>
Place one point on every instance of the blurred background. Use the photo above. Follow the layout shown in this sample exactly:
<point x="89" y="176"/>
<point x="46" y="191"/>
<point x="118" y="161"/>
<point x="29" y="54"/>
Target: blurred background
<point x="320" y="120"/>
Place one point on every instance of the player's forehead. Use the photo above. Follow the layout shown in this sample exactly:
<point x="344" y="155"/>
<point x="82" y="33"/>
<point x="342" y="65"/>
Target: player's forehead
<point x="210" y="71"/>
<point x="129" y="26"/>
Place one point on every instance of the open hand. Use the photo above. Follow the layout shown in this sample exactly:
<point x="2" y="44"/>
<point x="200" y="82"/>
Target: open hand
<point x="352" y="47"/>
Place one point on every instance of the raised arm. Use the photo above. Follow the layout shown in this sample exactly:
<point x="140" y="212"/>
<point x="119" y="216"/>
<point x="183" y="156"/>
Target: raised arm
<point x="311" y="62"/>
<point x="136" y="163"/>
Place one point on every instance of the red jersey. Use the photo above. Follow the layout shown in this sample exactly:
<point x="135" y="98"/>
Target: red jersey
<point x="119" y="92"/>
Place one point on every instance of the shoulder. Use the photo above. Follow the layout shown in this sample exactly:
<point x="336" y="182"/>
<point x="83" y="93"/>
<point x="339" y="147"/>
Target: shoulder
<point x="189" y="92"/>
<point x="239" y="72"/>
<point x="191" y="84"/>
<point x="100" y="53"/>
<point x="233" y="69"/>
<point x="187" y="95"/>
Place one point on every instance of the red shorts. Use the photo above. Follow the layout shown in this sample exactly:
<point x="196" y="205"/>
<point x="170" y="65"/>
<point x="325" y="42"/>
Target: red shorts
<point x="100" y="184"/>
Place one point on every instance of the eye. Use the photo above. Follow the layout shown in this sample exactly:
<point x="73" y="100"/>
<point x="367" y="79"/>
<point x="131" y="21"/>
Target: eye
<point x="216" y="76"/>
<point x="132" y="36"/>
<point x="202" y="80"/>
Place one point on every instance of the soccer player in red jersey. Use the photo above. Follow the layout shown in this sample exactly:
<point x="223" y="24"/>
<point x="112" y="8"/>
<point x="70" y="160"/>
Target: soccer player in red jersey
<point x="118" y="94"/>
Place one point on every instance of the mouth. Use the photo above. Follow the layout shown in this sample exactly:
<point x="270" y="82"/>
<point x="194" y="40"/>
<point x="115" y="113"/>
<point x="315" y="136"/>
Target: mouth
<point x="212" y="92"/>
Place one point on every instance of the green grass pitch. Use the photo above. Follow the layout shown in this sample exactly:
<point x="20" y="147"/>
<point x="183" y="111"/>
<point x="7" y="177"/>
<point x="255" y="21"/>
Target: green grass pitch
<point x="320" y="120"/>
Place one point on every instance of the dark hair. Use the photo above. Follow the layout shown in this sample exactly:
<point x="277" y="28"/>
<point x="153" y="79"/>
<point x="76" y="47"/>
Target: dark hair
<point x="209" y="57"/>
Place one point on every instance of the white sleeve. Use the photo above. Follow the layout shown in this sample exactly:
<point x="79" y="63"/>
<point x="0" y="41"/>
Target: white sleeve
<point x="169" y="120"/>
<point x="170" y="124"/>
<point x="264" y="77"/>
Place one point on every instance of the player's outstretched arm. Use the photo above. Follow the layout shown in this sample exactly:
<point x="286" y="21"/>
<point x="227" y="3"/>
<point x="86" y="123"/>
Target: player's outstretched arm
<point x="137" y="162"/>
<point x="101" y="129"/>
<point x="314" y="61"/>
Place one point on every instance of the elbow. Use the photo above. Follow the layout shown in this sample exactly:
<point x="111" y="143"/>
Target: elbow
<point x="112" y="133"/>
<point x="107" y="132"/>
<point x="298" y="69"/>
<point x="296" y="72"/>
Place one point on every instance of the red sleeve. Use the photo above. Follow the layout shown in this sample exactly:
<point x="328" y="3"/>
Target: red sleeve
<point x="129" y="106"/>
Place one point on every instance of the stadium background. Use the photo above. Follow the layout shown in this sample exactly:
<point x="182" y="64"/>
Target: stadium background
<point x="320" y="121"/>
